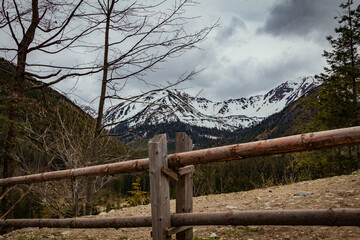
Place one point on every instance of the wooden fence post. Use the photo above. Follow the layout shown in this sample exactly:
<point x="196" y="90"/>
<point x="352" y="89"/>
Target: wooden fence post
<point x="159" y="187"/>
<point x="184" y="186"/>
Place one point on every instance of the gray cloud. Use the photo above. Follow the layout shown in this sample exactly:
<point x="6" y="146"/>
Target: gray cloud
<point x="251" y="76"/>
<point x="248" y="9"/>
<point x="259" y="65"/>
<point x="230" y="29"/>
<point x="301" y="18"/>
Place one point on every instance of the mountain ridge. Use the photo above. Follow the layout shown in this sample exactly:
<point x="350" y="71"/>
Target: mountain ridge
<point x="173" y="106"/>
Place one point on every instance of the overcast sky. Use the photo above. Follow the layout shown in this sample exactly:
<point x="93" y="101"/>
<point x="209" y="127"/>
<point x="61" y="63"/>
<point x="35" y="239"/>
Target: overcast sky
<point x="258" y="45"/>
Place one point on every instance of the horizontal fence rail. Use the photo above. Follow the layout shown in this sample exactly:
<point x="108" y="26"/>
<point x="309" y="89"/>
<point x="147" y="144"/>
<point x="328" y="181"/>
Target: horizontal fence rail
<point x="323" y="217"/>
<point x="296" y="143"/>
<point x="124" y="222"/>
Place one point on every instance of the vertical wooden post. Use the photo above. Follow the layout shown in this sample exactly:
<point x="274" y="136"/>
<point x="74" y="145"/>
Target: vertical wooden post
<point x="184" y="186"/>
<point x="159" y="187"/>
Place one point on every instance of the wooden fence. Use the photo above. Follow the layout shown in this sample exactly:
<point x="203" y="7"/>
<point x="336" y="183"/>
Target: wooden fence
<point x="179" y="166"/>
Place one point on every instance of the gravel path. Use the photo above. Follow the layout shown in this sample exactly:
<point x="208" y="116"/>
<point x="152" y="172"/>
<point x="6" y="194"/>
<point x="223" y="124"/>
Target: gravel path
<point x="335" y="192"/>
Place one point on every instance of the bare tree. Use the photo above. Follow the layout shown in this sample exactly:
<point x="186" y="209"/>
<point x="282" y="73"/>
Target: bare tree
<point x="41" y="27"/>
<point x="74" y="147"/>
<point x="68" y="141"/>
<point x="138" y="37"/>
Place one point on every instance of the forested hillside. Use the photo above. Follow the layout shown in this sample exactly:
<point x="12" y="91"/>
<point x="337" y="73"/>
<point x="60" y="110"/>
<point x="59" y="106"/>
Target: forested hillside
<point x="53" y="134"/>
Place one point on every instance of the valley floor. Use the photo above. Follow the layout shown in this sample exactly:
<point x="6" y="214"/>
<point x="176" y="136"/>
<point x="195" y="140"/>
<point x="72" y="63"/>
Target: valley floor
<point x="335" y="192"/>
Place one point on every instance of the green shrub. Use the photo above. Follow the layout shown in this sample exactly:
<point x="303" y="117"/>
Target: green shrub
<point x="138" y="197"/>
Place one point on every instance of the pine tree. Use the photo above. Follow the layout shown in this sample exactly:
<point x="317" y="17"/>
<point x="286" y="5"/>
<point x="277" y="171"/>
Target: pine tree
<point x="338" y="100"/>
<point x="337" y="103"/>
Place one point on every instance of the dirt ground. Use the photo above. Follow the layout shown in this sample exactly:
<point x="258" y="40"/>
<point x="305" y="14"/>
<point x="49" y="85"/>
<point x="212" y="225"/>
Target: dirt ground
<point x="335" y="192"/>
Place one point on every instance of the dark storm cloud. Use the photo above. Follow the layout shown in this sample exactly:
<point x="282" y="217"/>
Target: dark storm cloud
<point x="301" y="18"/>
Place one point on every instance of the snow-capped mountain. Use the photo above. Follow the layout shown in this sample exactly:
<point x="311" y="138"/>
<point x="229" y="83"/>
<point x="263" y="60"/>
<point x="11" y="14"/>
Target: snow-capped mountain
<point x="171" y="106"/>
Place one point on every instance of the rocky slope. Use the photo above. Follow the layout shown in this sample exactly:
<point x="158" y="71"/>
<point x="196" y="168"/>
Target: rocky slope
<point x="335" y="192"/>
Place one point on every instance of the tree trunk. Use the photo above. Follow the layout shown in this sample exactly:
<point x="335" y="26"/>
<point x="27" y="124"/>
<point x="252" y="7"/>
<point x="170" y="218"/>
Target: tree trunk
<point x="9" y="154"/>
<point x="353" y="53"/>
<point x="75" y="185"/>
<point x="105" y="72"/>
<point x="17" y="89"/>
<point x="350" y="151"/>
<point x="358" y="155"/>
<point x="98" y="127"/>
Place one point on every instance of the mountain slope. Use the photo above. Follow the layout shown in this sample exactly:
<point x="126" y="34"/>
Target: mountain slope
<point x="175" y="107"/>
<point x="293" y="119"/>
<point x="260" y="106"/>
